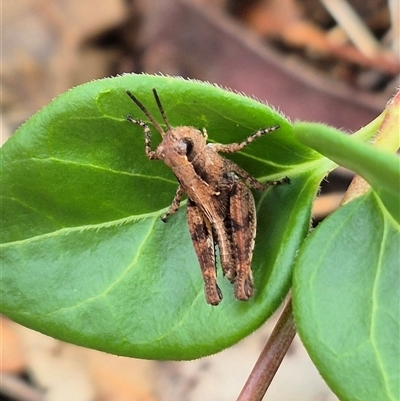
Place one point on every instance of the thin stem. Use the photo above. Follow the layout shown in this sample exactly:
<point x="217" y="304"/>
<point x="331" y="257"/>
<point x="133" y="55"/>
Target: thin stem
<point x="271" y="357"/>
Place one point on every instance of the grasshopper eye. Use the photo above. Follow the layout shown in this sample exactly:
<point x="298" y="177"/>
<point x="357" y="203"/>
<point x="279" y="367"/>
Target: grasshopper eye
<point x="184" y="147"/>
<point x="189" y="146"/>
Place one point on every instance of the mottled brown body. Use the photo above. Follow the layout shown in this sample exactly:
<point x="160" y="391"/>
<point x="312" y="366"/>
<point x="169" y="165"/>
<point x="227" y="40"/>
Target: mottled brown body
<point x="220" y="209"/>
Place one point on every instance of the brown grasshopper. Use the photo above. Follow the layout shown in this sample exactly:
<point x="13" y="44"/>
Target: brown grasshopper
<point x="220" y="208"/>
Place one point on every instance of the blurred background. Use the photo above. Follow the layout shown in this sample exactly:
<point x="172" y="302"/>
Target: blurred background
<point x="333" y="61"/>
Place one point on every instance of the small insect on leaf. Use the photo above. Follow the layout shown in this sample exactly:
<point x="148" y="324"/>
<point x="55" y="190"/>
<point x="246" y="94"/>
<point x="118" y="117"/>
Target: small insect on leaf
<point x="220" y="210"/>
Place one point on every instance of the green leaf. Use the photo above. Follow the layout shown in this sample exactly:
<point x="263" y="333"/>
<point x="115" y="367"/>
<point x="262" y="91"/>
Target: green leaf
<point x="347" y="303"/>
<point x="84" y="255"/>
<point x="380" y="168"/>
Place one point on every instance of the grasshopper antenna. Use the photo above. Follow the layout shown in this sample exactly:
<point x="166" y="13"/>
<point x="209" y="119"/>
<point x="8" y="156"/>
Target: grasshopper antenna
<point x="147" y="113"/>
<point x="161" y="108"/>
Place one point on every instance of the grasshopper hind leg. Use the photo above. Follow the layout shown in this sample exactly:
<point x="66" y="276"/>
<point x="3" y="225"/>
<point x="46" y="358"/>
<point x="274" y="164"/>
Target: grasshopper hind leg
<point x="243" y="224"/>
<point x="203" y="242"/>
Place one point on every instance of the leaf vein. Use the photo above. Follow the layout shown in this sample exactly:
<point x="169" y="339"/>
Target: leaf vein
<point x="108" y="169"/>
<point x="118" y="279"/>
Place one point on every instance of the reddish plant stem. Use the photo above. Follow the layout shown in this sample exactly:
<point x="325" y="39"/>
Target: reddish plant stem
<point x="271" y="357"/>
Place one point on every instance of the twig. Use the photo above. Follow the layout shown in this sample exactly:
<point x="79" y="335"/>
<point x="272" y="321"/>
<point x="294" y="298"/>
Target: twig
<point x="395" y="26"/>
<point x="16" y="388"/>
<point x="354" y="26"/>
<point x="271" y="357"/>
